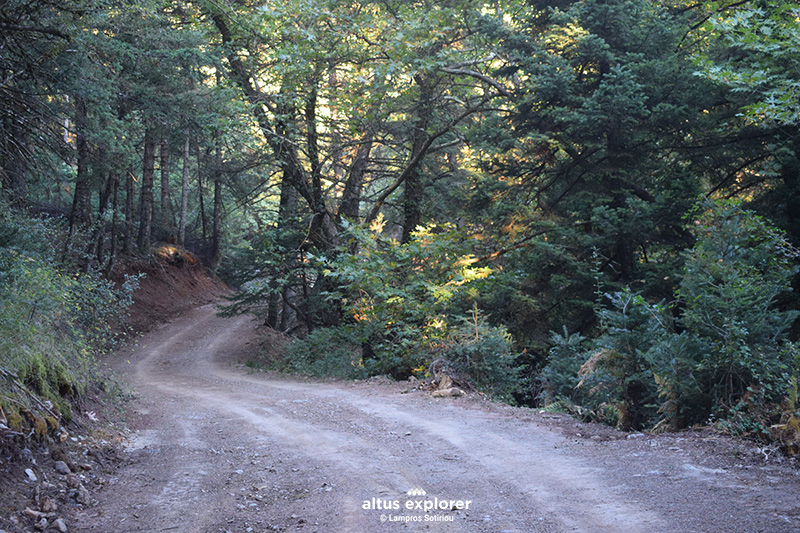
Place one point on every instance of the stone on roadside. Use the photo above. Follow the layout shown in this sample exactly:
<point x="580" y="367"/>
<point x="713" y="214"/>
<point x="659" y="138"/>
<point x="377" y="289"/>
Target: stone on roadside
<point x="33" y="514"/>
<point x="61" y="525"/>
<point x="47" y="505"/>
<point x="82" y="495"/>
<point x="450" y="392"/>
<point x="62" y="468"/>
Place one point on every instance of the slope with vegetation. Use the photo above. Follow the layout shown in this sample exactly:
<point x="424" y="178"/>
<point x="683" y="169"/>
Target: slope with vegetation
<point x="56" y="320"/>
<point x="56" y="399"/>
<point x="53" y="320"/>
<point x="588" y="205"/>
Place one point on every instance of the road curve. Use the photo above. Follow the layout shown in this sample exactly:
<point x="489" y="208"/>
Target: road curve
<point x="217" y="448"/>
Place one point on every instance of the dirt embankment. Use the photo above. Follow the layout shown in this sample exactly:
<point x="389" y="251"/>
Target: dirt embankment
<point x="174" y="281"/>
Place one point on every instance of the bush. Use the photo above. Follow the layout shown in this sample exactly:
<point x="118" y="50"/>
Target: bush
<point x="733" y="280"/>
<point x="725" y="357"/>
<point x="402" y="306"/>
<point x="51" y="322"/>
<point x="402" y="299"/>
<point x="560" y="377"/>
<point x="484" y="356"/>
<point x="618" y="368"/>
<point x="333" y="352"/>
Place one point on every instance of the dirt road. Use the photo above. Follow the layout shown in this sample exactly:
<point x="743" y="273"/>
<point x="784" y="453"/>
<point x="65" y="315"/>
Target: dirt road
<point x="219" y="449"/>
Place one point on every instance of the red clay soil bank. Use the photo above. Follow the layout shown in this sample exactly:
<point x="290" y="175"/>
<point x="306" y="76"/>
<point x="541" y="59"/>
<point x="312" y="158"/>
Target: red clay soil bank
<point x="175" y="281"/>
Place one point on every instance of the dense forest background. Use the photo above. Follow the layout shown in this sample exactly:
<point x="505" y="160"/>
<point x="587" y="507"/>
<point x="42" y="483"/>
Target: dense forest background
<point x="585" y="205"/>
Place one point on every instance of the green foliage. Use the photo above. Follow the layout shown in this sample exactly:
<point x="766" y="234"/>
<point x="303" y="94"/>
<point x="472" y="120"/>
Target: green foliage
<point x="727" y="355"/>
<point x="404" y="307"/>
<point x="484" y="355"/>
<point x="326" y="352"/>
<point x="560" y="378"/>
<point x="594" y="176"/>
<point x="547" y="284"/>
<point x="683" y="388"/>
<point x="549" y="153"/>
<point x="397" y="286"/>
<point x="95" y="305"/>
<point x="734" y="278"/>
<point x="787" y="430"/>
<point x="404" y="296"/>
<point x="619" y="368"/>
<point x="756" y="54"/>
<point x="262" y="268"/>
<point x="51" y="322"/>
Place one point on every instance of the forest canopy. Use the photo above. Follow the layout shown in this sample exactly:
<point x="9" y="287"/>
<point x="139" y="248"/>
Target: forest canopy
<point x="587" y="205"/>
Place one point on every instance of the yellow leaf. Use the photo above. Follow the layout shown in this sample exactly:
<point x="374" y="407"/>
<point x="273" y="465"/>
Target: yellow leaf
<point x="377" y="225"/>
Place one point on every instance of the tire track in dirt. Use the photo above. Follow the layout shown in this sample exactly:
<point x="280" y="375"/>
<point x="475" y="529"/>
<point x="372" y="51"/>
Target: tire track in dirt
<point x="218" y="449"/>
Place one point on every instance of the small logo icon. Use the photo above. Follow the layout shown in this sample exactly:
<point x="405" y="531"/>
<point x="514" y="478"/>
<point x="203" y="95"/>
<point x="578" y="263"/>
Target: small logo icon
<point x="416" y="491"/>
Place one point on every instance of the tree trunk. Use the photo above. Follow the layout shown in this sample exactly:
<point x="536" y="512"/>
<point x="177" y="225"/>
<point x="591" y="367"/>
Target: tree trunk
<point x="278" y="135"/>
<point x="97" y="242"/>
<point x="81" y="202"/>
<point x="146" y="204"/>
<point x="129" y="221"/>
<point x="97" y="245"/>
<point x="202" y="214"/>
<point x="286" y="310"/>
<point x="287" y="210"/>
<point x="415" y="181"/>
<point x="15" y="151"/>
<point x="616" y="156"/>
<point x="625" y="256"/>
<point x="323" y="230"/>
<point x="165" y="218"/>
<point x="790" y="175"/>
<point x="112" y="247"/>
<point x="412" y="204"/>
<point x="350" y="206"/>
<point x="312" y="139"/>
<point x="216" y="231"/>
<point x="336" y="138"/>
<point x="184" y="193"/>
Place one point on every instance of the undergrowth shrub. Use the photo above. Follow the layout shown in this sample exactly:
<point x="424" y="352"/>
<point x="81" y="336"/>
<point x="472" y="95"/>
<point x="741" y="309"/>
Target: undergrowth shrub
<point x="485" y="355"/>
<point x="787" y="430"/>
<point x="333" y="352"/>
<point x="52" y="320"/>
<point x="560" y="377"/>
<point x="405" y="305"/>
<point x="725" y="358"/>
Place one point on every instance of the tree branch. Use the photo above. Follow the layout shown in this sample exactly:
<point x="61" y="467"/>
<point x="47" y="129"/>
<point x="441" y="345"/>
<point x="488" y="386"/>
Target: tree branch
<point x="5" y="28"/>
<point x="475" y="74"/>
<point x="416" y="159"/>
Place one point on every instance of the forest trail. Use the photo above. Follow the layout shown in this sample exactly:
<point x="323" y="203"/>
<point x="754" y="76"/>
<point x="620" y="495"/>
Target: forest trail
<point x="217" y="448"/>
